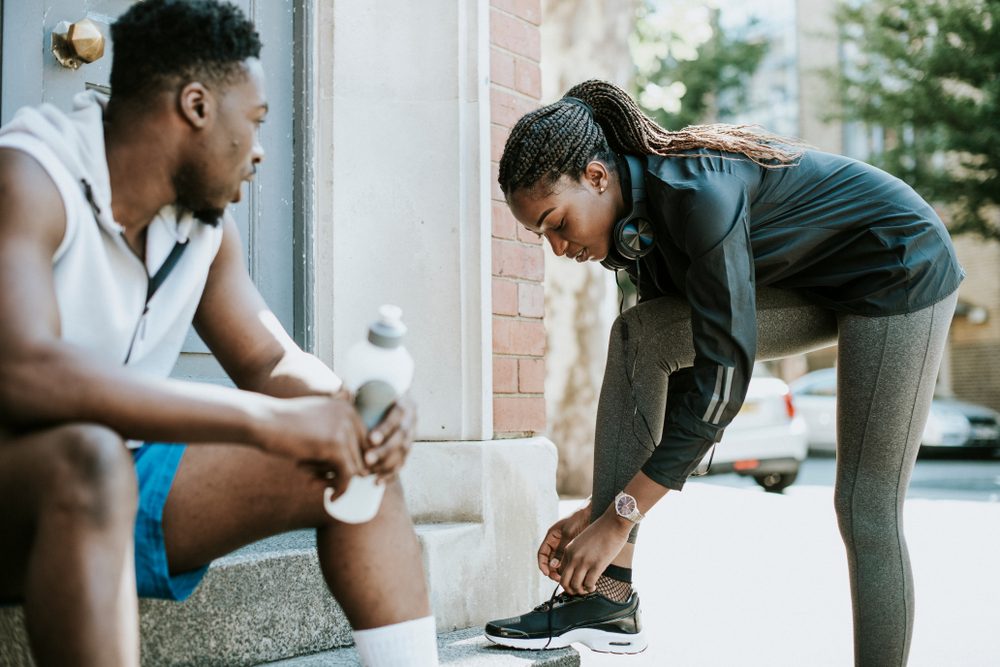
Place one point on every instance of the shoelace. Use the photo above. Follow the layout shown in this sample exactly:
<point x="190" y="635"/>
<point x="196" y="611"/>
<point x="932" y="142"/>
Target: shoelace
<point x="550" y="606"/>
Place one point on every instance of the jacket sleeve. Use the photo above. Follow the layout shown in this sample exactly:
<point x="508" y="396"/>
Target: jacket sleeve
<point x="719" y="287"/>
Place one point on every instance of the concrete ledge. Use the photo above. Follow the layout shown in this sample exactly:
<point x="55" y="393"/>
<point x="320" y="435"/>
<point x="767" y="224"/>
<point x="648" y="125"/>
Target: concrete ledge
<point x="266" y="601"/>
<point x="463" y="648"/>
<point x="481" y="508"/>
<point x="507" y="487"/>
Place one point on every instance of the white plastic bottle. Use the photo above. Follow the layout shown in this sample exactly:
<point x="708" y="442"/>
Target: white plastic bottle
<point x="378" y="370"/>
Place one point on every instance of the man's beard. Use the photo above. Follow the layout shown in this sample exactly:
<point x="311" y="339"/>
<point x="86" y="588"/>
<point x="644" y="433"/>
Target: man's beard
<point x="186" y="187"/>
<point x="210" y="216"/>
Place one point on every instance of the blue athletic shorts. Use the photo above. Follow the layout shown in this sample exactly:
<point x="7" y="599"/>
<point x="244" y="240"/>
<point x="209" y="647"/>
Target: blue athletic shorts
<point x="155" y="465"/>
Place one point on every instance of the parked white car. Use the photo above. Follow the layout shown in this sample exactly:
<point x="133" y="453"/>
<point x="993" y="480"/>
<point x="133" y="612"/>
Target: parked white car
<point x="952" y="425"/>
<point x="766" y="440"/>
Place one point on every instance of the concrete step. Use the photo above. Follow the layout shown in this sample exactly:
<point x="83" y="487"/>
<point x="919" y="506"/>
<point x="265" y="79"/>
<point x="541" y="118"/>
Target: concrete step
<point x="479" y="507"/>
<point x="462" y="648"/>
<point x="264" y="602"/>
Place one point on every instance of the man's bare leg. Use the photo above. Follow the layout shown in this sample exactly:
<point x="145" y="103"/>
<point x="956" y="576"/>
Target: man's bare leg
<point x="224" y="497"/>
<point x="69" y="499"/>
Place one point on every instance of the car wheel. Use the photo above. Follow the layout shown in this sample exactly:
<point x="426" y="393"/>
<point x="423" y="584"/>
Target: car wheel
<point x="776" y="482"/>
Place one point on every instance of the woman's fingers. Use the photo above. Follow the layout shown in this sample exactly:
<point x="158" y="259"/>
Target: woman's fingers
<point x="548" y="549"/>
<point x="590" y="579"/>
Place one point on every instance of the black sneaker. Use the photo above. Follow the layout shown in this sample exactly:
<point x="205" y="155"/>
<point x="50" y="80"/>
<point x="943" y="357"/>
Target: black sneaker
<point x="593" y="620"/>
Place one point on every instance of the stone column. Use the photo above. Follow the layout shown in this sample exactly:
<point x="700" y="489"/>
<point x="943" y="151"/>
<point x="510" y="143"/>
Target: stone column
<point x="401" y="138"/>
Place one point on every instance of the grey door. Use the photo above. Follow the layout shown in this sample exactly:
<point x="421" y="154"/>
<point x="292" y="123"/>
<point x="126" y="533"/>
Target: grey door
<point x="32" y="75"/>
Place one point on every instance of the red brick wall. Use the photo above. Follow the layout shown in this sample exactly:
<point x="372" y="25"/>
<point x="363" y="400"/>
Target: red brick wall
<point x="518" y="263"/>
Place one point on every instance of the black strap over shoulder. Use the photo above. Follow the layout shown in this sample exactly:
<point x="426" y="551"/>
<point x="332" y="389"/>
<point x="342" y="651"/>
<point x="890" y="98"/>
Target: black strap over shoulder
<point x="168" y="265"/>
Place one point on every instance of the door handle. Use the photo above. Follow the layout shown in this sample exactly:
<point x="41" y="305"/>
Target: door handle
<point x="76" y="44"/>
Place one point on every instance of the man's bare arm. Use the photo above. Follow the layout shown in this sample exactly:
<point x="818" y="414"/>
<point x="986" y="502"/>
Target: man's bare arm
<point x="247" y="338"/>
<point x="258" y="354"/>
<point x="46" y="381"/>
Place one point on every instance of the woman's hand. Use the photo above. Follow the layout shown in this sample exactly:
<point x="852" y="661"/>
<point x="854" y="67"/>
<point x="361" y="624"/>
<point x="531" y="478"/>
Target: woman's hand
<point x="558" y="536"/>
<point x="586" y="557"/>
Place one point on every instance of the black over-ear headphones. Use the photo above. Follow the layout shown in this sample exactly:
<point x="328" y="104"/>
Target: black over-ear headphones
<point x="632" y="236"/>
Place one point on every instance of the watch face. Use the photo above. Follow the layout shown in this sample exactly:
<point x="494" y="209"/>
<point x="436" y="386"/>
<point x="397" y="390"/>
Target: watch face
<point x="625" y="505"/>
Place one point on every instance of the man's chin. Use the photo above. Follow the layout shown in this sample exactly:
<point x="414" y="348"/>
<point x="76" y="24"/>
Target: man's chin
<point x="210" y="216"/>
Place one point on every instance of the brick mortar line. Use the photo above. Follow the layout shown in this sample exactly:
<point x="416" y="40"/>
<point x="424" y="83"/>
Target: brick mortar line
<point x="515" y="93"/>
<point x="516" y="54"/>
<point x="499" y="10"/>
<point x="518" y="317"/>
<point x="511" y="91"/>
<point x="517" y="356"/>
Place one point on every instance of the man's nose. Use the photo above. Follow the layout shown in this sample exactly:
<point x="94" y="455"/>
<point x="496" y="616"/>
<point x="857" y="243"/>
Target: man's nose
<point x="258" y="153"/>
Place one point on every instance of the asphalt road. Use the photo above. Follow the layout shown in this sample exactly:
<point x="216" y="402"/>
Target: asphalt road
<point x="933" y="477"/>
<point x="732" y="576"/>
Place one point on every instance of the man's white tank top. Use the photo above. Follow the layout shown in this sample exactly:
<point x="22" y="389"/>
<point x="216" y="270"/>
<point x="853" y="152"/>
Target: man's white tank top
<point x="100" y="284"/>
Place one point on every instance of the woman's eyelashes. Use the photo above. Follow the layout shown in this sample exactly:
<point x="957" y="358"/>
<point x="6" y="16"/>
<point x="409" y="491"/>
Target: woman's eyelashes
<point x="562" y="223"/>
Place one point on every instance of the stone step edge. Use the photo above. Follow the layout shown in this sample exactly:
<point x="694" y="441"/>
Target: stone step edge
<point x="302" y="542"/>
<point x="295" y="550"/>
<point x="460" y="648"/>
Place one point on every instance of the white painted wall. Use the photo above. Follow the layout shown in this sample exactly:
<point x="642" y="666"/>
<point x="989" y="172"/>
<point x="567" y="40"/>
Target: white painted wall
<point x="402" y="179"/>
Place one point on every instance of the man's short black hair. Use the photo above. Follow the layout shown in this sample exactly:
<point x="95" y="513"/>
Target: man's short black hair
<point x="161" y="43"/>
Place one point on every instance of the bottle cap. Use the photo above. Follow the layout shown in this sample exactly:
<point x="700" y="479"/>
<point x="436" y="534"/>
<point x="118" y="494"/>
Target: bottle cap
<point x="388" y="330"/>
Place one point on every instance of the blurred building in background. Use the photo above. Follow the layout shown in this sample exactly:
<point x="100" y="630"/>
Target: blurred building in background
<point x="789" y="92"/>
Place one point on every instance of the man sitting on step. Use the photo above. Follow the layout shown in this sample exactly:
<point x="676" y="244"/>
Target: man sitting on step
<point x="114" y="238"/>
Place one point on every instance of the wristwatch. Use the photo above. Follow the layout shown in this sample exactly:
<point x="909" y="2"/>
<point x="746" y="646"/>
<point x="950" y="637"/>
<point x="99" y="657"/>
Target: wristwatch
<point x="627" y="508"/>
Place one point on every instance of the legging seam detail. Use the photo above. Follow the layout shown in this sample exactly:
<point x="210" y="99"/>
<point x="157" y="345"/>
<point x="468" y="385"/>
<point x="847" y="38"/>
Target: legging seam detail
<point x="857" y="464"/>
<point x="899" y="474"/>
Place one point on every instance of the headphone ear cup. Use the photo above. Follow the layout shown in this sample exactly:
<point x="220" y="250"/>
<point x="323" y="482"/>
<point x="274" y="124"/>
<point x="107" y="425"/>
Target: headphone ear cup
<point x="633" y="237"/>
<point x="637" y="236"/>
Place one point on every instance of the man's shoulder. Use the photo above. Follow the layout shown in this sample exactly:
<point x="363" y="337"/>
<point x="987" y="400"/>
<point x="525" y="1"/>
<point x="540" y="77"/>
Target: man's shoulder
<point x="32" y="212"/>
<point x="27" y="186"/>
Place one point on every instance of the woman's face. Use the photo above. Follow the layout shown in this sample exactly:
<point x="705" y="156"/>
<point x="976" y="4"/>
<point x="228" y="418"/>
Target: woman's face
<point x="577" y="217"/>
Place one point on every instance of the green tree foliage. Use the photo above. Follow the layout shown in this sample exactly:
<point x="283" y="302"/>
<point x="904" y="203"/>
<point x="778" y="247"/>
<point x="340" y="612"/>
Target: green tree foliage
<point x="928" y="73"/>
<point x="713" y="73"/>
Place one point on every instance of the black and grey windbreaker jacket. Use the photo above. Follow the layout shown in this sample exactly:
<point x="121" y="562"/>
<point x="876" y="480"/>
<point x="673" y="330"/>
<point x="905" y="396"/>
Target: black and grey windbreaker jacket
<point x="852" y="237"/>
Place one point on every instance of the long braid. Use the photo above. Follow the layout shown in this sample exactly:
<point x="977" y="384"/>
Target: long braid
<point x="595" y="118"/>
<point x="630" y="130"/>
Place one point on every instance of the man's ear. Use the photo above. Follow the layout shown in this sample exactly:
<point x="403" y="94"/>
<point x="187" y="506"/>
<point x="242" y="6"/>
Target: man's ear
<point x="196" y="104"/>
<point x="596" y="174"/>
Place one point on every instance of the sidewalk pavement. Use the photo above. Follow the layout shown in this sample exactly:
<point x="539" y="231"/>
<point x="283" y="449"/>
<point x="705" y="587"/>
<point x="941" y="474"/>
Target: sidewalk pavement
<point x="734" y="577"/>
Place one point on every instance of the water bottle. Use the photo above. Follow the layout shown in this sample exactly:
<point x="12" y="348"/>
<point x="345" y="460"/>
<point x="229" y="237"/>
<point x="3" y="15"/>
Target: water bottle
<point x="378" y="370"/>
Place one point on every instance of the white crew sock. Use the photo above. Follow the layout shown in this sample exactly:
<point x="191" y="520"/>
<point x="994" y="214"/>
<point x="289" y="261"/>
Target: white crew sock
<point x="406" y="644"/>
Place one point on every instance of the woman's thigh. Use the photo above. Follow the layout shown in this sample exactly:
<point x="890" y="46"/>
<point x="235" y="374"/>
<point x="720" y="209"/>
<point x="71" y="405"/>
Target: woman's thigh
<point x="886" y="371"/>
<point x="653" y="341"/>
<point x="658" y="332"/>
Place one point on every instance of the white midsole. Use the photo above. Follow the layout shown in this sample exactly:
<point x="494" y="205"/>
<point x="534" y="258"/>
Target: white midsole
<point x="598" y="640"/>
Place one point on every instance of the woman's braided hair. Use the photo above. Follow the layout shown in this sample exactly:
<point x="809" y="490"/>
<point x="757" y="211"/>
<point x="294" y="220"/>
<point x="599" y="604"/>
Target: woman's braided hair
<point x="596" y="119"/>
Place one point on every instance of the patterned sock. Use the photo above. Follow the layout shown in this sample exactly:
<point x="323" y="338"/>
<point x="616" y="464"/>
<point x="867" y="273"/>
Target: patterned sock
<point x="615" y="583"/>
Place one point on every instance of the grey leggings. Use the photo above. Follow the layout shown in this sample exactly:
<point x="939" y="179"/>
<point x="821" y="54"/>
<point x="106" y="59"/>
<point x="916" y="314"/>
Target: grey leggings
<point x="886" y="370"/>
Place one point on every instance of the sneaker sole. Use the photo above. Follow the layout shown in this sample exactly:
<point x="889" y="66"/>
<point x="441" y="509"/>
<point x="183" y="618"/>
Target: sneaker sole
<point x="601" y="641"/>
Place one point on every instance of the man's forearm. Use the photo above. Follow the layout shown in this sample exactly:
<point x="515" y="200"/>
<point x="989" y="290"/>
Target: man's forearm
<point x="61" y="385"/>
<point x="297" y="374"/>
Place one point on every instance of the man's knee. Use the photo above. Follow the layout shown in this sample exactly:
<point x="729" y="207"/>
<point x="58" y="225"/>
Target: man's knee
<point x="91" y="473"/>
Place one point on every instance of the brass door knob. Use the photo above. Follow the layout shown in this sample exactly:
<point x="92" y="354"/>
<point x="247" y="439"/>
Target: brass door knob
<point x="75" y="44"/>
